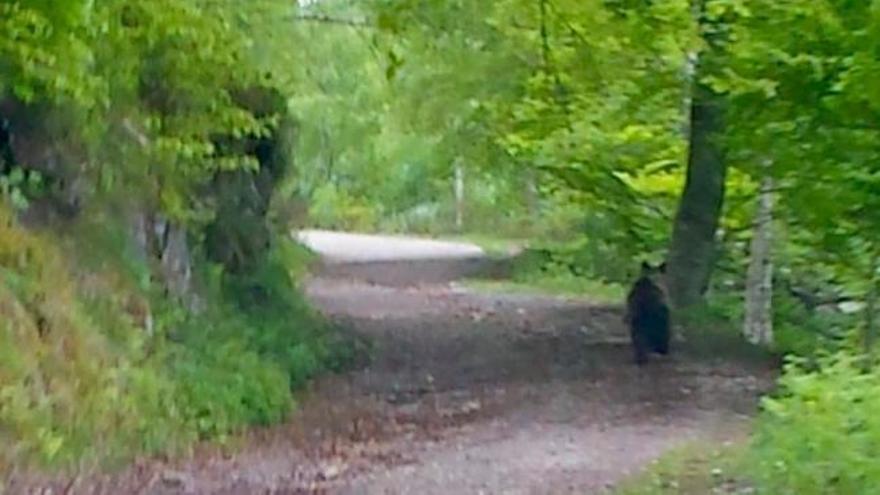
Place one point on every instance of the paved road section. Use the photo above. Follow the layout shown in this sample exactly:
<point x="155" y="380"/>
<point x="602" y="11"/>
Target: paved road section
<point x="361" y="248"/>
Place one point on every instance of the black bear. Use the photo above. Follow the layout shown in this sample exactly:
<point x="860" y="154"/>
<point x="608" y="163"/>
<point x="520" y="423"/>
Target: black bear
<point x="647" y="314"/>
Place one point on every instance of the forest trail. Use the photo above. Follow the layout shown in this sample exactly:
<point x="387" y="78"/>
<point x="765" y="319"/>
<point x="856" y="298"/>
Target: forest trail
<point x="471" y="393"/>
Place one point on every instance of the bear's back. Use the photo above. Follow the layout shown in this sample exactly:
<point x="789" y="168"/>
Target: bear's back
<point x="645" y="299"/>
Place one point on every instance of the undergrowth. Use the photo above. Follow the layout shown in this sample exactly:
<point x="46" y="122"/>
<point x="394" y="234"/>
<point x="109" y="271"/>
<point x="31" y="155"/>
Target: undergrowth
<point x="554" y="273"/>
<point x="562" y="286"/>
<point x="716" y="328"/>
<point x="96" y="365"/>
<point x="820" y="434"/>
<point x="698" y="468"/>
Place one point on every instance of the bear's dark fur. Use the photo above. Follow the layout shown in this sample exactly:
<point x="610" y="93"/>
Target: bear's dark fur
<point x="647" y="314"/>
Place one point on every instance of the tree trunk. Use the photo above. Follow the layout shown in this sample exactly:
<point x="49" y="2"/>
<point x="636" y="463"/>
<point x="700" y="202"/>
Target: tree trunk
<point x="758" y="324"/>
<point x="692" y="251"/>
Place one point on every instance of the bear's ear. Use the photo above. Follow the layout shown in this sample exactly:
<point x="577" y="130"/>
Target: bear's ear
<point x="646" y="267"/>
<point x="662" y="267"/>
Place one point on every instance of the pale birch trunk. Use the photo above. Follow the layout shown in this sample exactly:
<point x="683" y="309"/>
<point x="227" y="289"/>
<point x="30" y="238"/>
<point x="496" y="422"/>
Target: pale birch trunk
<point x="758" y="324"/>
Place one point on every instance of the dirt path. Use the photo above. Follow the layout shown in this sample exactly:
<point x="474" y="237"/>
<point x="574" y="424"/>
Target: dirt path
<point x="520" y="394"/>
<point x="470" y="393"/>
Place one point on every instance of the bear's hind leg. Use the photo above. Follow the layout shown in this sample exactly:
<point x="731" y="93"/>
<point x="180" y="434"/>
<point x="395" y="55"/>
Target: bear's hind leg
<point x="640" y="348"/>
<point x="661" y="334"/>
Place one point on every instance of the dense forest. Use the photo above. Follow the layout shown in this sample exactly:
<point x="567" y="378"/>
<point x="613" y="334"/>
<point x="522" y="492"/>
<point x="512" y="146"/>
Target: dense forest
<point x="155" y="157"/>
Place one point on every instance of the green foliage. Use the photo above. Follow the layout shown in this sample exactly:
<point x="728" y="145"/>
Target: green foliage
<point x="17" y="186"/>
<point x="802" y="98"/>
<point x="550" y="122"/>
<point x="562" y="284"/>
<point x="223" y="385"/>
<point x="798" y="331"/>
<point x="150" y="85"/>
<point x="804" y="332"/>
<point x="821" y="433"/>
<point x="332" y="208"/>
<point x="81" y="380"/>
<point x="63" y="382"/>
<point x="553" y="272"/>
<point x="266" y="310"/>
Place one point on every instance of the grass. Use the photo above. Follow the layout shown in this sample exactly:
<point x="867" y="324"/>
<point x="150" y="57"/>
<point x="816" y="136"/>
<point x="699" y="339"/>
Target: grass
<point x="700" y="468"/>
<point x="536" y="277"/>
<point x="540" y="272"/>
<point x="493" y="246"/>
<point x="580" y="288"/>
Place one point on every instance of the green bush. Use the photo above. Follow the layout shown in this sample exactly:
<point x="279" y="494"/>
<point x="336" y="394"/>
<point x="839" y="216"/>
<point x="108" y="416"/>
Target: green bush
<point x="265" y="310"/>
<point x="334" y="208"/>
<point x="803" y="332"/>
<point x="235" y="363"/>
<point x="559" y="269"/>
<point x="224" y="386"/>
<point x="821" y="433"/>
<point x="83" y="383"/>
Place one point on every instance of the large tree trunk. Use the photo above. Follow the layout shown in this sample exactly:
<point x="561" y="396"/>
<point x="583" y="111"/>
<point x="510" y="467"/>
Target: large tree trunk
<point x="758" y="324"/>
<point x="692" y="250"/>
